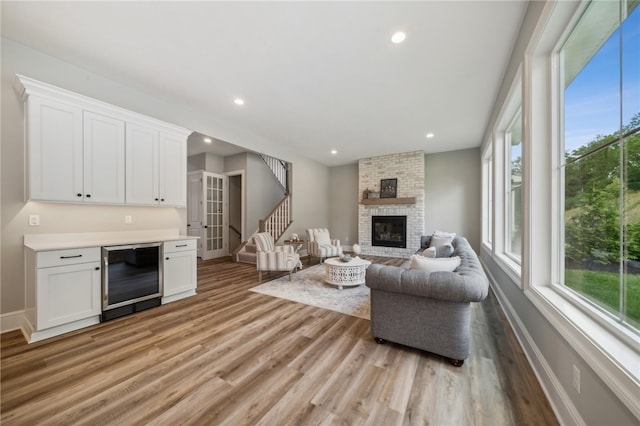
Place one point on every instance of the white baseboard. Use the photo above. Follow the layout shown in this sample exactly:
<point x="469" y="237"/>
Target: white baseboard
<point x="11" y="321"/>
<point x="558" y="398"/>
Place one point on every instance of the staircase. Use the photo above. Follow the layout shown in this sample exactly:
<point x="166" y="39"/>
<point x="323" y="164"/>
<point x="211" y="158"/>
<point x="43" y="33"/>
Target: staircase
<point x="280" y="218"/>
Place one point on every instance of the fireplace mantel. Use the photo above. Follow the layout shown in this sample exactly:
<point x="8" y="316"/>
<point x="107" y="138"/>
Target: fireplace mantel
<point x="381" y="201"/>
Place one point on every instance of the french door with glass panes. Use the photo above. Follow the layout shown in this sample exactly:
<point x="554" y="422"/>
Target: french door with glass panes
<point x="215" y="216"/>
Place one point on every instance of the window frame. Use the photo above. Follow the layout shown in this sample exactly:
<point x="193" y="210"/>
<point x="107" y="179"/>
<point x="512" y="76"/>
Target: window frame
<point x="502" y="175"/>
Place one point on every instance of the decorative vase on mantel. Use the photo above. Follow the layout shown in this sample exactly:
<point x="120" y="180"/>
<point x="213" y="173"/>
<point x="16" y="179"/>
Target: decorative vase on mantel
<point x="356" y="249"/>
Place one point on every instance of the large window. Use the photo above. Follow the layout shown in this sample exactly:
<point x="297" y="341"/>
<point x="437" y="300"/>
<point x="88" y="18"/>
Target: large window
<point x="600" y="77"/>
<point x="513" y="139"/>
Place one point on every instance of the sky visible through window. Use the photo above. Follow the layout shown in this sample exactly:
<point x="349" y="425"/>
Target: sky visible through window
<point x="592" y="100"/>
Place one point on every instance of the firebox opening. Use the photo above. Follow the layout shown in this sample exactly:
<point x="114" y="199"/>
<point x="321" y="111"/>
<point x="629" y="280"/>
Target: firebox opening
<point x="389" y="231"/>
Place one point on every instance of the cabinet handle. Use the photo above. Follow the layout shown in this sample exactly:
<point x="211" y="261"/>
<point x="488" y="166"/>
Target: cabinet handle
<point x="156" y="199"/>
<point x="97" y="268"/>
<point x="161" y="199"/>
<point x="88" y="195"/>
<point x="166" y="258"/>
<point x="70" y="257"/>
<point x="181" y="245"/>
<point x="79" y="195"/>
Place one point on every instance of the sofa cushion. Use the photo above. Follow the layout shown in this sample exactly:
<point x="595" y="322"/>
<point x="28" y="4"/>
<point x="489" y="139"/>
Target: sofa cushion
<point x="446" y="264"/>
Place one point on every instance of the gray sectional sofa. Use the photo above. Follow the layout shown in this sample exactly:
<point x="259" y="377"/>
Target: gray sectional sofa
<point x="428" y="311"/>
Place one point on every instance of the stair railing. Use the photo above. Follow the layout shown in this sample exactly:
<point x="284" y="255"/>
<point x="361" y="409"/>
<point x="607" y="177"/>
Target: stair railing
<point x="280" y="218"/>
<point x="279" y="169"/>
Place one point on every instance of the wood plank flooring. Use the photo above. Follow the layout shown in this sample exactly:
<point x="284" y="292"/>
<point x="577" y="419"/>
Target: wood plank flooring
<point x="228" y="356"/>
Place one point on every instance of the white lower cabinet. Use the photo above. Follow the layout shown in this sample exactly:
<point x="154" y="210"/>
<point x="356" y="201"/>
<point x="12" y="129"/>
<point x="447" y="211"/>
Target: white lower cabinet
<point x="179" y="270"/>
<point x="62" y="292"/>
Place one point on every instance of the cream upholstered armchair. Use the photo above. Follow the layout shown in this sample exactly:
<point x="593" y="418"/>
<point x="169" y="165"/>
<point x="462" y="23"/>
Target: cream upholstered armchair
<point x="270" y="257"/>
<point x="320" y="244"/>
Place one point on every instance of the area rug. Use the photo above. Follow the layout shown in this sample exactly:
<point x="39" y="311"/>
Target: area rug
<point x="307" y="286"/>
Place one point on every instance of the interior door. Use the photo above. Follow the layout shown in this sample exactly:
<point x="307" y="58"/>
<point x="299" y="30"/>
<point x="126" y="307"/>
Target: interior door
<point x="216" y="217"/>
<point x="195" y="207"/>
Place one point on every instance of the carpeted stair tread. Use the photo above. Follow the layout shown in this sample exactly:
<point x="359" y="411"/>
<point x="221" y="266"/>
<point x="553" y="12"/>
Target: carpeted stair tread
<point x="247" y="257"/>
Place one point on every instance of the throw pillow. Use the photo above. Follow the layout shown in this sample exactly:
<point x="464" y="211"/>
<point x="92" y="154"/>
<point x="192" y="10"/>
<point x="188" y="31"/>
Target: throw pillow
<point x="444" y="234"/>
<point x="446" y="264"/>
<point x="437" y="241"/>
<point x="430" y="252"/>
<point x="322" y="238"/>
<point x="445" y="250"/>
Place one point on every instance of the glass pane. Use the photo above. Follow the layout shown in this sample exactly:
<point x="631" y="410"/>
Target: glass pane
<point x="631" y="278"/>
<point x="631" y="128"/>
<point x="515" y="196"/>
<point x="591" y="65"/>
<point x="490" y="195"/>
<point x="592" y="227"/>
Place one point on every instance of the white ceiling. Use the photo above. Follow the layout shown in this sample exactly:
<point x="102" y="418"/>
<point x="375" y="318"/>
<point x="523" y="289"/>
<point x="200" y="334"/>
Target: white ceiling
<point x="315" y="76"/>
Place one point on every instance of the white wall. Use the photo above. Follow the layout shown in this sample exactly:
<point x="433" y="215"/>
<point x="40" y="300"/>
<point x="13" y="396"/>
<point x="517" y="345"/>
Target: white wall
<point x="205" y="161"/>
<point x="311" y="196"/>
<point x="343" y="218"/>
<point x="264" y="192"/>
<point x="453" y="194"/>
<point x="311" y="179"/>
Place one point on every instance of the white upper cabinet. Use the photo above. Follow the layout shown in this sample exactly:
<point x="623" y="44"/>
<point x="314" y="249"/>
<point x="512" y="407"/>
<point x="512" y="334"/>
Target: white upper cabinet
<point x="156" y="173"/>
<point x="103" y="150"/>
<point x="54" y="150"/>
<point x="142" y="165"/>
<point x="173" y="171"/>
<point x="83" y="150"/>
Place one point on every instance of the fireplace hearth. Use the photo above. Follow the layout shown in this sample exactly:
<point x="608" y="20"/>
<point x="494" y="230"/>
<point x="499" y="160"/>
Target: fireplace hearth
<point x="389" y="231"/>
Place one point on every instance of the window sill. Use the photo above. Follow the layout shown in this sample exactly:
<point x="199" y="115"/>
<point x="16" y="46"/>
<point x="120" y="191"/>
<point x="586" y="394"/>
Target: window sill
<point x="618" y="366"/>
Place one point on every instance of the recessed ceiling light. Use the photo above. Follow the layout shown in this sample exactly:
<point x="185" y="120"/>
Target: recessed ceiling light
<point x="430" y="135"/>
<point x="238" y="101"/>
<point x="207" y="140"/>
<point x="398" y="37"/>
<point x="334" y="152"/>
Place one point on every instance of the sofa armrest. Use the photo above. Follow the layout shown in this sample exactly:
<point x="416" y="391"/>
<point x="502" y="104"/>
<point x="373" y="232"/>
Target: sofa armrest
<point x="448" y="286"/>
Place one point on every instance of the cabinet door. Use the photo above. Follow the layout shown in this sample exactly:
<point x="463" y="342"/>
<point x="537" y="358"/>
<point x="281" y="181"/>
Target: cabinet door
<point x="103" y="159"/>
<point x="54" y="141"/>
<point x="67" y="293"/>
<point x="179" y="272"/>
<point x="142" y="165"/>
<point x="173" y="170"/>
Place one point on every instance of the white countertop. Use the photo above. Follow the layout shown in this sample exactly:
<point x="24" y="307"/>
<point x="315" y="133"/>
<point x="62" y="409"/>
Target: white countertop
<point x="44" y="242"/>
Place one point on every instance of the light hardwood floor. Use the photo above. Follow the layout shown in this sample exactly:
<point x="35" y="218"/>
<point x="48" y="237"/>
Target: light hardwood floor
<point x="228" y="356"/>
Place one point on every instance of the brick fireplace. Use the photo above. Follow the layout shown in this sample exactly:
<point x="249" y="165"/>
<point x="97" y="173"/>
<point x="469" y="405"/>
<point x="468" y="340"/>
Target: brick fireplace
<point x="408" y="169"/>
